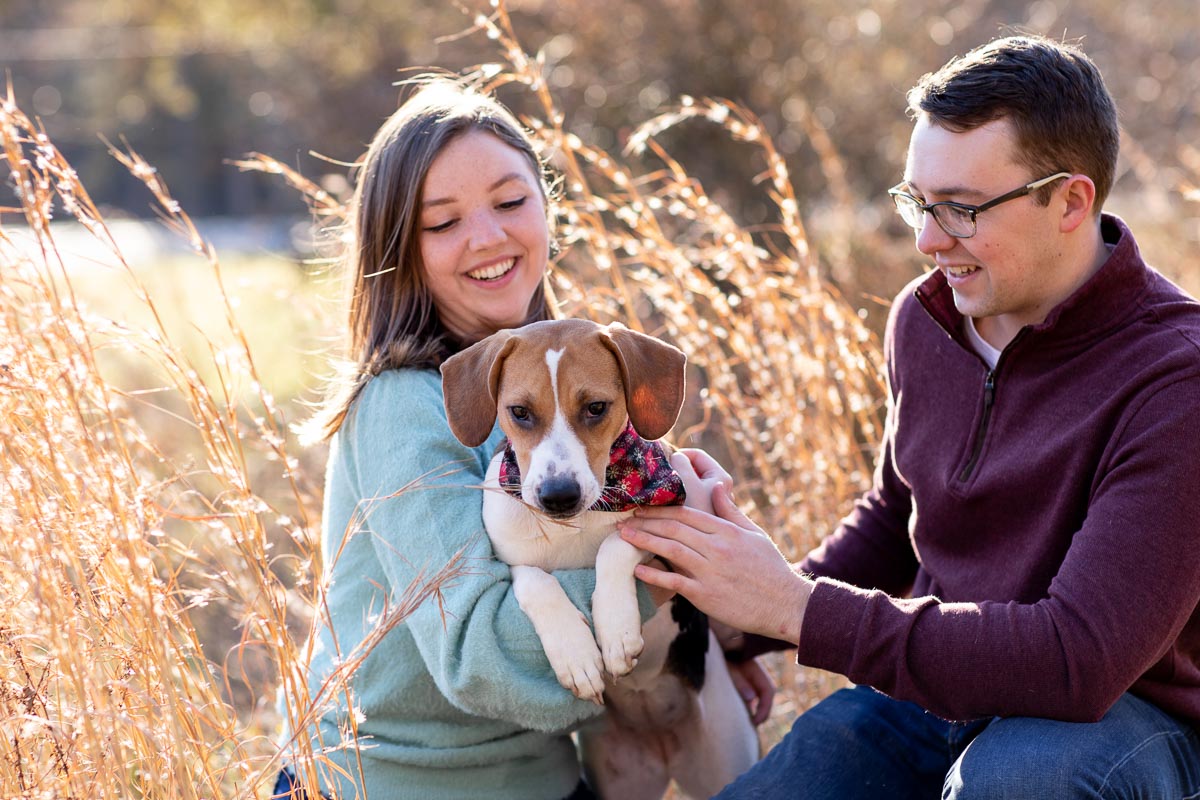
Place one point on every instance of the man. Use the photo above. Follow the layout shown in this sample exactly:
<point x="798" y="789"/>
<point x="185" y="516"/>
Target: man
<point x="1020" y="584"/>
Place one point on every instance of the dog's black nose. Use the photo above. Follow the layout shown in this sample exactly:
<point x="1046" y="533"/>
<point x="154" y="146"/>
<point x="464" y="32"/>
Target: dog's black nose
<point x="559" y="495"/>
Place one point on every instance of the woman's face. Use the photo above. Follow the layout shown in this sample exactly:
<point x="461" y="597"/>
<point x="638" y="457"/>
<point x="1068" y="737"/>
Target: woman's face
<point x="484" y="238"/>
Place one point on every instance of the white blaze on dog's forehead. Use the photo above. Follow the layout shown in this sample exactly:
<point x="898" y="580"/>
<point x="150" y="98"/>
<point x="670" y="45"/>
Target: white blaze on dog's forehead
<point x="552" y="359"/>
<point x="560" y="453"/>
<point x="561" y="437"/>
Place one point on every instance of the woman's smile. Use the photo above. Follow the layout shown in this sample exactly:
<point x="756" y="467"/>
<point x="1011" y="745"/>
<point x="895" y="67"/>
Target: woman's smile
<point x="493" y="272"/>
<point x="485" y="242"/>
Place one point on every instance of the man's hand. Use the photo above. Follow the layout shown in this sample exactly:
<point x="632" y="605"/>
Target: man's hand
<point x="658" y="595"/>
<point x="725" y="564"/>
<point x="755" y="686"/>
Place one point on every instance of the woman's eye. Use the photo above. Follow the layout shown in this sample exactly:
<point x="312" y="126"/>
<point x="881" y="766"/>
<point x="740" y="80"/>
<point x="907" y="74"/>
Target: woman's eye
<point x="511" y="204"/>
<point x="443" y="226"/>
<point x="519" y="413"/>
<point x="597" y="409"/>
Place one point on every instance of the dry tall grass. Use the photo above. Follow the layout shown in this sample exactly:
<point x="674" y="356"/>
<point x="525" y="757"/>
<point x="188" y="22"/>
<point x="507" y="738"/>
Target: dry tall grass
<point x="114" y="538"/>
<point x="105" y="690"/>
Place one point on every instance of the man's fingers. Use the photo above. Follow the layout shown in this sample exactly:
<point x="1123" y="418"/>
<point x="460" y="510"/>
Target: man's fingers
<point x="683" y="515"/>
<point x="726" y="513"/>
<point x="678" y="530"/>
<point x="671" y="581"/>
<point x="662" y="539"/>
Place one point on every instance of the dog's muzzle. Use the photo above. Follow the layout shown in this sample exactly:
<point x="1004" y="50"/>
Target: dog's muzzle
<point x="639" y="473"/>
<point x="559" y="496"/>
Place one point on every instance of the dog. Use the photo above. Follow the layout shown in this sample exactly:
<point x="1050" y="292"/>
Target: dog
<point x="572" y="396"/>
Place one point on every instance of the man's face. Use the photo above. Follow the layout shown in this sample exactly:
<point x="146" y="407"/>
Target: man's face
<point x="1005" y="275"/>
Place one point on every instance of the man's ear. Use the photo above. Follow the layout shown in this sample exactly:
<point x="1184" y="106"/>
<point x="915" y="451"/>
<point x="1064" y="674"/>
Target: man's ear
<point x="470" y="385"/>
<point x="1080" y="194"/>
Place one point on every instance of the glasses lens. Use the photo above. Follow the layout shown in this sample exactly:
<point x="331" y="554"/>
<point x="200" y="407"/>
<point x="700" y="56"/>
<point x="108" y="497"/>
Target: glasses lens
<point x="910" y="211"/>
<point x="954" y="220"/>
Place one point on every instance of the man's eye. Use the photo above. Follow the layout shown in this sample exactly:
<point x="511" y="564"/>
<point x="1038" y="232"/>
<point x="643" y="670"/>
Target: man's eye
<point x="597" y="409"/>
<point x="519" y="413"/>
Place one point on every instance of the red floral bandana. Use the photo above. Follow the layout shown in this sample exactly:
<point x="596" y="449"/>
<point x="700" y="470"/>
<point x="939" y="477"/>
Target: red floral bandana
<point x="639" y="473"/>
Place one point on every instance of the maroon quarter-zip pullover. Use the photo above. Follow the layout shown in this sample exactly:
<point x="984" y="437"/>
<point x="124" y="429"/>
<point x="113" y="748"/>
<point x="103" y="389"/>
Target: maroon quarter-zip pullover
<point x="1040" y="521"/>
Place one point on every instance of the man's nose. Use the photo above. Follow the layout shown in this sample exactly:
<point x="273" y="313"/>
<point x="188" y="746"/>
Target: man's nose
<point x="931" y="238"/>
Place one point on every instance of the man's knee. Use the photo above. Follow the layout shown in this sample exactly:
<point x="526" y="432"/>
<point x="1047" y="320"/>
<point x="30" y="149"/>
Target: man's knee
<point x="854" y="744"/>
<point x="1010" y="761"/>
<point x="1117" y="757"/>
<point x="1016" y="758"/>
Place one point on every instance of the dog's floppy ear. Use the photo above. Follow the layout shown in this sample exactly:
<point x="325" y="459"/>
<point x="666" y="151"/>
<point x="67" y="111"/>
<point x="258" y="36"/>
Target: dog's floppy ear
<point x="653" y="374"/>
<point x="470" y="382"/>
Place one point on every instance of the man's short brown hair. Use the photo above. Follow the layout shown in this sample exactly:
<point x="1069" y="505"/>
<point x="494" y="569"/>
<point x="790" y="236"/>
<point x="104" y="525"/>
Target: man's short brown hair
<point x="1051" y="92"/>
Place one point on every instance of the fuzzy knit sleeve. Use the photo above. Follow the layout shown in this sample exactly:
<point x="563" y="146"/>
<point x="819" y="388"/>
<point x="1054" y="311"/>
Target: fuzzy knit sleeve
<point x="421" y="504"/>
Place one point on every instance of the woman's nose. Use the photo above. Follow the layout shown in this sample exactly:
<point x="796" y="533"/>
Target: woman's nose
<point x="486" y="231"/>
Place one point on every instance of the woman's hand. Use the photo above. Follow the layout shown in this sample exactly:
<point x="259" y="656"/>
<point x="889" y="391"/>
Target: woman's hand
<point x="700" y="473"/>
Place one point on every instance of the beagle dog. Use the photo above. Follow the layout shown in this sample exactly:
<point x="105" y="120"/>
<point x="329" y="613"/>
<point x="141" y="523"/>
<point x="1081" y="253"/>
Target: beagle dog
<point x="581" y="405"/>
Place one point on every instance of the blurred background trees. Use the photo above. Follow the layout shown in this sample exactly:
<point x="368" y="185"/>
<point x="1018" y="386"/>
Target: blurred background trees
<point x="192" y="85"/>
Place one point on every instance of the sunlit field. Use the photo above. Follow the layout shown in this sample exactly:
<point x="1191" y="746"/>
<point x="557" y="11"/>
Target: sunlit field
<point x="159" y="564"/>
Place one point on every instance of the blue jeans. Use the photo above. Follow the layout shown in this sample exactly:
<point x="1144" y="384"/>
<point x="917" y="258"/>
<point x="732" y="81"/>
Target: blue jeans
<point x="858" y="744"/>
<point x="288" y="788"/>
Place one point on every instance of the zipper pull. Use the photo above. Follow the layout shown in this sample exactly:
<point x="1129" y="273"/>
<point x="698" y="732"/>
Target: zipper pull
<point x="989" y="395"/>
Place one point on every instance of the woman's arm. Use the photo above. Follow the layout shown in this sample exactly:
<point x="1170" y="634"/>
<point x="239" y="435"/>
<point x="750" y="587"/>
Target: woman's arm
<point x="422" y="503"/>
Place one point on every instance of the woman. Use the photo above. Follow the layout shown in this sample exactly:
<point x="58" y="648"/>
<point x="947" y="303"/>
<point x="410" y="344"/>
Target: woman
<point x="451" y="243"/>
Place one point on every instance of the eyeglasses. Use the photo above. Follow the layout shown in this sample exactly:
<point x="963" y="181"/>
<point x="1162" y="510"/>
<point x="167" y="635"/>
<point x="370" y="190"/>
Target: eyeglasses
<point x="956" y="219"/>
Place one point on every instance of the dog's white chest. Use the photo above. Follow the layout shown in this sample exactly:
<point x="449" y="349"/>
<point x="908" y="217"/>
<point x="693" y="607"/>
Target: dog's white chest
<point x="524" y="538"/>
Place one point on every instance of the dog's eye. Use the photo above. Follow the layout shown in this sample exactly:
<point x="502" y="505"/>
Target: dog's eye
<point x="597" y="409"/>
<point x="519" y="413"/>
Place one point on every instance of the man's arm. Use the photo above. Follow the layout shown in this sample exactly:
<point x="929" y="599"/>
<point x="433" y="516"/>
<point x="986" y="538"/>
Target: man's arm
<point x="1127" y="587"/>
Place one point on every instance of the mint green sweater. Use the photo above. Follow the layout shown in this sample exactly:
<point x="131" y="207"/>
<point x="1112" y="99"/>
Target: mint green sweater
<point x="459" y="700"/>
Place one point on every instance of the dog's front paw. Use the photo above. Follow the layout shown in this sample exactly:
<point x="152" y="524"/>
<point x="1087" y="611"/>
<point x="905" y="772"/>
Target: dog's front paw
<point x="577" y="664"/>
<point x="621" y="645"/>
